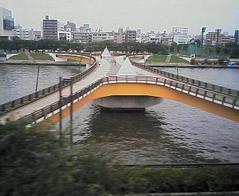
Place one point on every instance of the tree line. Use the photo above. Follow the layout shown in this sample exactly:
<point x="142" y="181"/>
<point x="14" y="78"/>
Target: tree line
<point x="17" y="44"/>
<point x="229" y="50"/>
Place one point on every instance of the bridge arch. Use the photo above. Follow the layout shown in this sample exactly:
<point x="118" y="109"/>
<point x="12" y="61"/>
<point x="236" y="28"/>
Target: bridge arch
<point x="151" y="90"/>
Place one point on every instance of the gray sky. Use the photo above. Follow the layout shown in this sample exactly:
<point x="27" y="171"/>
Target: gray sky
<point x="157" y="15"/>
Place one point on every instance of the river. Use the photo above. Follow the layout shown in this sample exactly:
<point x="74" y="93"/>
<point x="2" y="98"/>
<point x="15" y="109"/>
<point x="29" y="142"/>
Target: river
<point x="169" y="132"/>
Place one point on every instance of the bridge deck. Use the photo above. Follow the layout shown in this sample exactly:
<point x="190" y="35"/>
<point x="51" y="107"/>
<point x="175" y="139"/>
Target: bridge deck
<point x="107" y="68"/>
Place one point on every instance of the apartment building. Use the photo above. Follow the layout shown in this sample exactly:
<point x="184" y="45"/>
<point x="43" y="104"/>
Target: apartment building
<point x="50" y="29"/>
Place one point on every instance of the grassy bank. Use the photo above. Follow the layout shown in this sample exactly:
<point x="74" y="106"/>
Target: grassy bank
<point x="176" y="59"/>
<point x="20" y="56"/>
<point x="41" y="56"/>
<point x="157" y="59"/>
<point x="36" y="162"/>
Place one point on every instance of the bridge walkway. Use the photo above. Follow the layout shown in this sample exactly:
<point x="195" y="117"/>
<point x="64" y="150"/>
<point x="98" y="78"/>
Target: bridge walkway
<point x="103" y="69"/>
<point x="107" y="69"/>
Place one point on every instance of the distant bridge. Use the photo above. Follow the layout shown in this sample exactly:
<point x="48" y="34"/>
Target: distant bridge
<point x="112" y="78"/>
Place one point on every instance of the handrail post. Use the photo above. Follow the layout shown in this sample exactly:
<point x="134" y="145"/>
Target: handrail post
<point x="234" y="103"/>
<point x="71" y="113"/>
<point x="60" y="107"/>
<point x="213" y="97"/>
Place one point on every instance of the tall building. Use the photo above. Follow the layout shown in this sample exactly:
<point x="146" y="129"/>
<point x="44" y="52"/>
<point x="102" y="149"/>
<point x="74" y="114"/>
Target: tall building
<point x="6" y="23"/>
<point x="50" y="29"/>
<point x="130" y="36"/>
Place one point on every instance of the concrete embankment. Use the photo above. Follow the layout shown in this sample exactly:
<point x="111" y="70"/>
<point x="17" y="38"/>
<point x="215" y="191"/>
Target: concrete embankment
<point x="39" y="62"/>
<point x="175" y="65"/>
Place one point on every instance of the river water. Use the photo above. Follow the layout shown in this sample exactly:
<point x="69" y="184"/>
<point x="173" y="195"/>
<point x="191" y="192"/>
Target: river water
<point x="169" y="132"/>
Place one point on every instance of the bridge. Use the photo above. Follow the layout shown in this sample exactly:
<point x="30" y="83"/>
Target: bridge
<point x="119" y="83"/>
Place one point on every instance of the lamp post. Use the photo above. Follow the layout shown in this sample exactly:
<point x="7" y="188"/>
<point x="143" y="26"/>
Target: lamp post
<point x="60" y="106"/>
<point x="37" y="80"/>
<point x="203" y="31"/>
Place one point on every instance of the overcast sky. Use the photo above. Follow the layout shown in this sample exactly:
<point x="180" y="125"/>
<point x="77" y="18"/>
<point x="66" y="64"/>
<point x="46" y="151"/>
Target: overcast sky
<point x="157" y="15"/>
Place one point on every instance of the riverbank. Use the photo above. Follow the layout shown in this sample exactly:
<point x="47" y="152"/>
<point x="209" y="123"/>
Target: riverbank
<point x="40" y="62"/>
<point x="184" y="65"/>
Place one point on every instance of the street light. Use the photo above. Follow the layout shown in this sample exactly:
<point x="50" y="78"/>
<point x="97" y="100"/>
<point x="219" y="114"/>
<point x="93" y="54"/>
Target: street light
<point x="37" y="80"/>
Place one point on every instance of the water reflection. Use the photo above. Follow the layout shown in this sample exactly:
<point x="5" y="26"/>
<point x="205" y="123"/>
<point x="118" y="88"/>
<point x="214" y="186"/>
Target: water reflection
<point x="169" y="132"/>
<point x="135" y="137"/>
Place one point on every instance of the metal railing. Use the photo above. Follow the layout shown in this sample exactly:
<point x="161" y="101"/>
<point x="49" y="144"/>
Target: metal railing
<point x="194" y="82"/>
<point x="12" y="105"/>
<point x="211" y="96"/>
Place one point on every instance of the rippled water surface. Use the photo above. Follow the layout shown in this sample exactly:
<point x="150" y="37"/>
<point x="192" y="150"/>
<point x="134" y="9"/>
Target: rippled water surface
<point x="169" y="132"/>
<point x="19" y="80"/>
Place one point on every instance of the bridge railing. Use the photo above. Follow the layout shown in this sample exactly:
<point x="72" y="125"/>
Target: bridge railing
<point x="214" y="97"/>
<point x="9" y="106"/>
<point x="191" y="81"/>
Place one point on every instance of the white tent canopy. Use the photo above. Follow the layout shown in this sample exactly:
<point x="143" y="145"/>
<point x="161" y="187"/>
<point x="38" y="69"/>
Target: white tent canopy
<point x="127" y="69"/>
<point x="106" y="54"/>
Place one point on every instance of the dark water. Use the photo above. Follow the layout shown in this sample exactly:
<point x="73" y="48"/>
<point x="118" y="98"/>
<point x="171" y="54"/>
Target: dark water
<point x="169" y="132"/>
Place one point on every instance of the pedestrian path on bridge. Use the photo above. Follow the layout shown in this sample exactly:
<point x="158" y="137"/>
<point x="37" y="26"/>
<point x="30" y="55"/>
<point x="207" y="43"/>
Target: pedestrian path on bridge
<point x="110" y="70"/>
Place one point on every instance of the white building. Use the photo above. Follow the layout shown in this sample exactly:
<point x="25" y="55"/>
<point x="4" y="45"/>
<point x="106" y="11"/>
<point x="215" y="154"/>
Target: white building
<point x="26" y="34"/>
<point x="153" y="38"/>
<point x="64" y="35"/>
<point x="21" y="33"/>
<point x="180" y="35"/>
<point x="6" y="23"/>
<point x="181" y="38"/>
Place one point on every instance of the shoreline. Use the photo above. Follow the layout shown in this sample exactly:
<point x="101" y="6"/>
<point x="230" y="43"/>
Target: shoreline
<point x="173" y="65"/>
<point x="39" y="62"/>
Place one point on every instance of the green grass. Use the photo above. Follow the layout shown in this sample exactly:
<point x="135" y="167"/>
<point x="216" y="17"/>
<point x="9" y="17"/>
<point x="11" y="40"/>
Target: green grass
<point x="20" y="56"/>
<point x="157" y="59"/>
<point x="41" y="56"/>
<point x="176" y="59"/>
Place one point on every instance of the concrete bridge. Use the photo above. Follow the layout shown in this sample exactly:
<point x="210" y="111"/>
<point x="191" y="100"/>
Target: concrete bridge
<point x="118" y="83"/>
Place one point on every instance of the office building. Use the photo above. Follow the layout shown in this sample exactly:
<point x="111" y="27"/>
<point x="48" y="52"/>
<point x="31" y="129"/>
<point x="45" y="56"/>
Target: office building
<point x="6" y="24"/>
<point x="82" y="37"/>
<point x="50" y="29"/>
<point x="219" y="38"/>
<point x="130" y="36"/>
<point x="119" y="37"/>
<point x="102" y="36"/>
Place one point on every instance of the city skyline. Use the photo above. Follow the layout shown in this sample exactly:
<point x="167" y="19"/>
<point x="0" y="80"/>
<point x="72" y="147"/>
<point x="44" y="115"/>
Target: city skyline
<point x="137" y="14"/>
